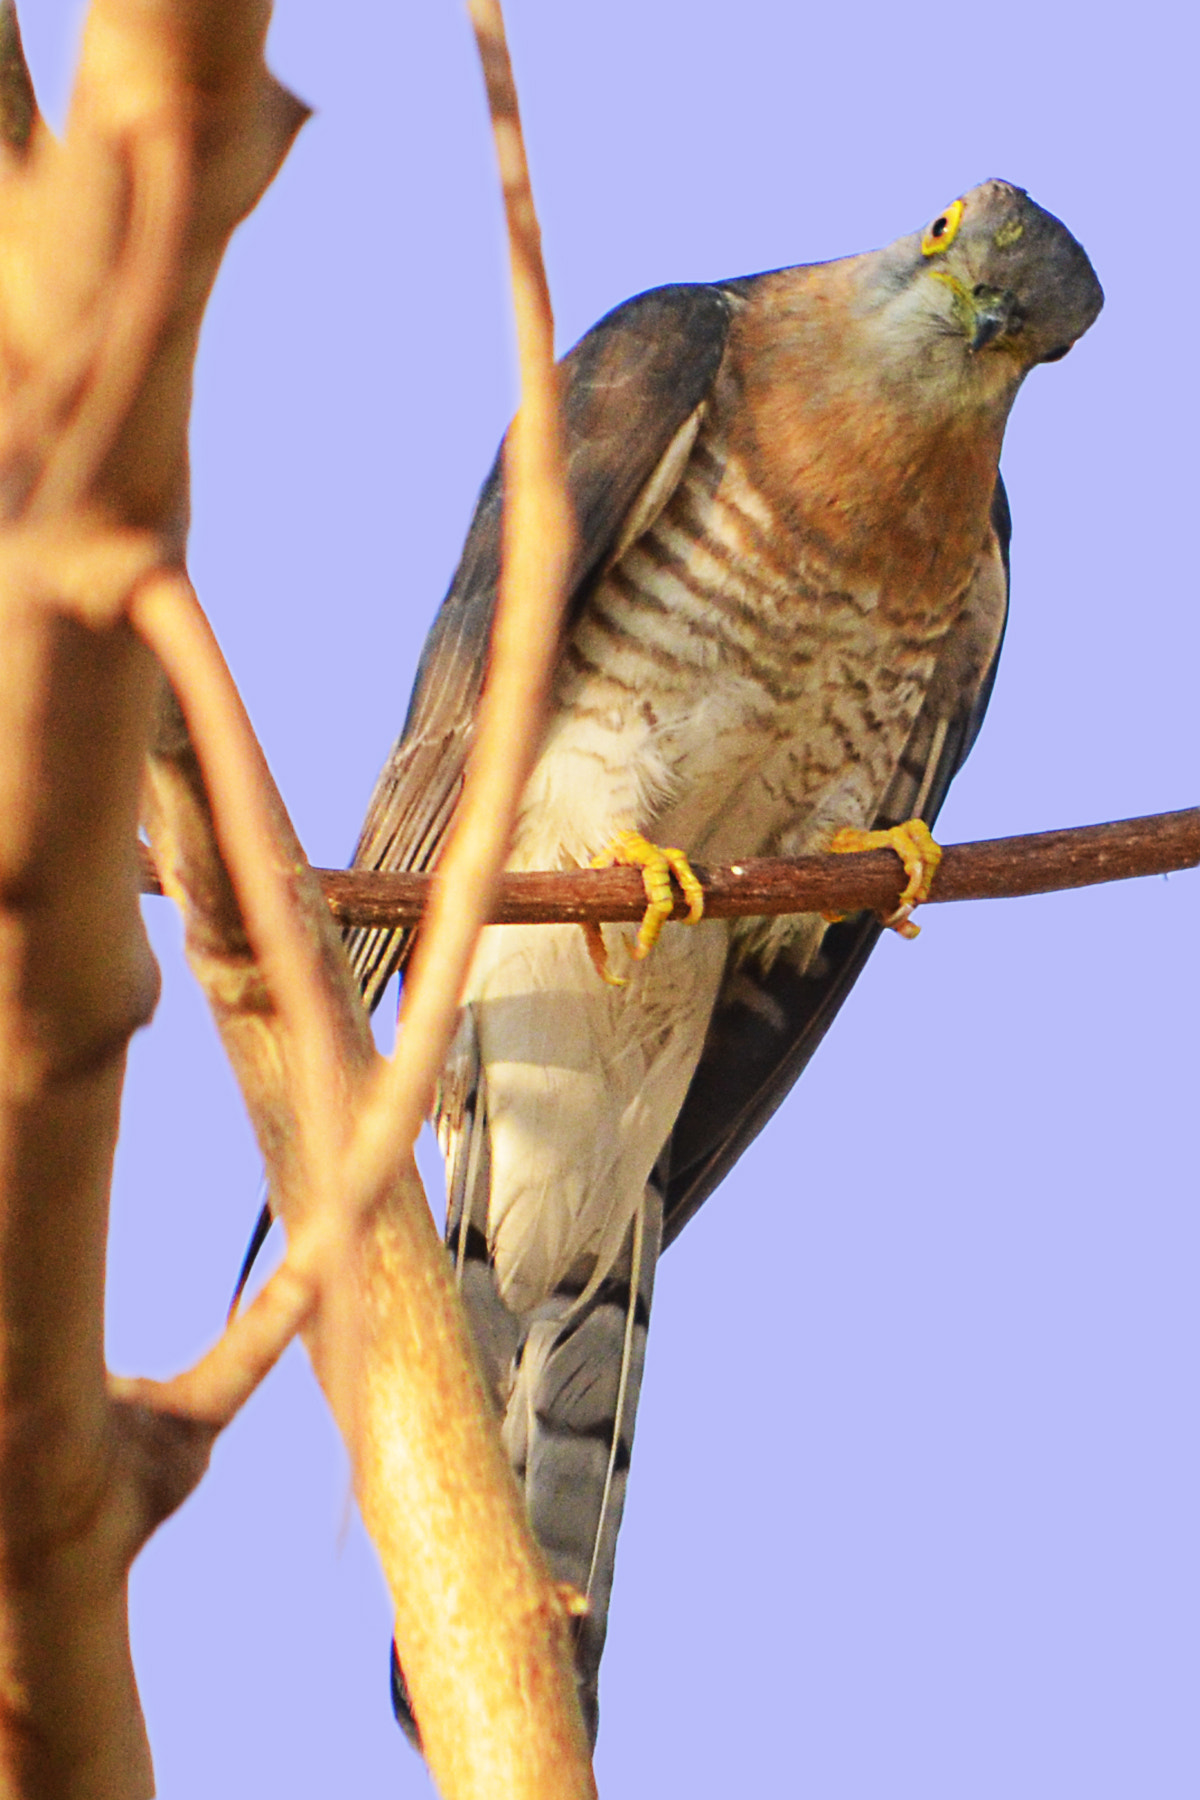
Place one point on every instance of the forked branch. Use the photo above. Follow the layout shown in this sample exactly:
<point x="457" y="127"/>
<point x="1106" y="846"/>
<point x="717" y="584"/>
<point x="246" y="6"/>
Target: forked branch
<point x="480" y="1627"/>
<point x="109" y="243"/>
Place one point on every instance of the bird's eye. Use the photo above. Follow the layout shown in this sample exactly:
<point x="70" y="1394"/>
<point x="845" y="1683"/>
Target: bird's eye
<point x="942" y="233"/>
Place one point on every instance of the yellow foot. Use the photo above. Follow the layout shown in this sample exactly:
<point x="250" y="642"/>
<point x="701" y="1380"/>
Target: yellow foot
<point x="914" y="845"/>
<point x="657" y="863"/>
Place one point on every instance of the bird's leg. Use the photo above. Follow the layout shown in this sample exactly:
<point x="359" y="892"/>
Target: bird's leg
<point x="914" y="845"/>
<point x="657" y="862"/>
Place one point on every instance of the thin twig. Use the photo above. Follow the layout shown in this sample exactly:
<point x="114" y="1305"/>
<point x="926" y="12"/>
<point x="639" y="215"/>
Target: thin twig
<point x="168" y="616"/>
<point x="214" y="1391"/>
<point x="538" y="533"/>
<point x="525" y="1736"/>
<point x="992" y="869"/>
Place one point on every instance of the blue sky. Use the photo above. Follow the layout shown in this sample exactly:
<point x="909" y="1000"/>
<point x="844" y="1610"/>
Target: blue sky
<point x="914" y="1498"/>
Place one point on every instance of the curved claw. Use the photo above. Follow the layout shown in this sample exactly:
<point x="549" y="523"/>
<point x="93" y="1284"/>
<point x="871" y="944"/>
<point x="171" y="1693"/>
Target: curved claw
<point x="658" y="862"/>
<point x="914" y="844"/>
<point x="597" y="949"/>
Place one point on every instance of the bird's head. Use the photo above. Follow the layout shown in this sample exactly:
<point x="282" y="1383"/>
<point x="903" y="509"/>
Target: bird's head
<point x="1004" y="276"/>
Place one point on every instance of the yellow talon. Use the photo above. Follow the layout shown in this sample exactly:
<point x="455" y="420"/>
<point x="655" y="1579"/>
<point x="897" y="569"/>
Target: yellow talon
<point x="598" y="951"/>
<point x="914" y="844"/>
<point x="657" y="863"/>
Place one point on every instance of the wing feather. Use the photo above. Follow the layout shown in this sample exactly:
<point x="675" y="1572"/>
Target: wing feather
<point x="629" y="388"/>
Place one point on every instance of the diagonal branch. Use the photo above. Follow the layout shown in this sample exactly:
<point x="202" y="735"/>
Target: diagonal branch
<point x="109" y="242"/>
<point x="480" y="1626"/>
<point x="538" y="534"/>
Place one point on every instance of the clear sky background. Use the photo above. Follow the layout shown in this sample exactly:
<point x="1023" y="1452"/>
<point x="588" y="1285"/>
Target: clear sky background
<point x="915" y="1499"/>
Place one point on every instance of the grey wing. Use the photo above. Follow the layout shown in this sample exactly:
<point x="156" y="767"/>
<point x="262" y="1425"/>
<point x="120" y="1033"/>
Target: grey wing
<point x="629" y="386"/>
<point x="767" y="1023"/>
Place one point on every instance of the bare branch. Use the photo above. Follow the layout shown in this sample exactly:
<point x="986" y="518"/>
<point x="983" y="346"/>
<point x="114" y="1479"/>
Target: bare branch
<point x="486" y="1623"/>
<point x="108" y="244"/>
<point x="481" y="1628"/>
<point x="302" y="1083"/>
<point x="992" y="869"/>
<point x="511" y="1723"/>
<point x="215" y="1390"/>
<point x="66" y="883"/>
<point x="538" y="534"/>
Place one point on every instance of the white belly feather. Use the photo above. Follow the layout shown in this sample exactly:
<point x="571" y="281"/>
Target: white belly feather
<point x="722" y="707"/>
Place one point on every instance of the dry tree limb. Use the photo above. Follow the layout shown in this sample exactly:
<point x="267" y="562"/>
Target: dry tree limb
<point x="1043" y="862"/>
<point x="481" y="1628"/>
<point x="436" y="1490"/>
<point x="66" y="882"/>
<point x="267" y="957"/>
<point x="175" y="128"/>
<point x="108" y="244"/>
<point x="512" y="1726"/>
<point x="991" y="869"/>
<point x="538" y="534"/>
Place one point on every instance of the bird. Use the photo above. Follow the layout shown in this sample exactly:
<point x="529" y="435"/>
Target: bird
<point x="788" y="595"/>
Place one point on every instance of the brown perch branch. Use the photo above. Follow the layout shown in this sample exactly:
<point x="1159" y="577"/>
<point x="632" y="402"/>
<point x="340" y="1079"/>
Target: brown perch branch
<point x="992" y="869"/>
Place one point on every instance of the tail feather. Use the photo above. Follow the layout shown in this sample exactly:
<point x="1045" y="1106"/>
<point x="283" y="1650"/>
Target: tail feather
<point x="569" y="1427"/>
<point x="566" y="1375"/>
<point x="462" y="1128"/>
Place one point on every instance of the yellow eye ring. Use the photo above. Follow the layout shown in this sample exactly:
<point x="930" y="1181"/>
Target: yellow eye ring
<point x="941" y="234"/>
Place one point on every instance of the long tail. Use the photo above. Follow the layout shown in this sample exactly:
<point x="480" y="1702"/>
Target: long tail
<point x="568" y="1427"/>
<point x="566" y="1375"/>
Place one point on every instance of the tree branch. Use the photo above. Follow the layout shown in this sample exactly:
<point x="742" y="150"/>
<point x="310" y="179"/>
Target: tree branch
<point x="480" y="1626"/>
<point x="109" y="242"/>
<point x="484" y="1622"/>
<point x="992" y="869"/>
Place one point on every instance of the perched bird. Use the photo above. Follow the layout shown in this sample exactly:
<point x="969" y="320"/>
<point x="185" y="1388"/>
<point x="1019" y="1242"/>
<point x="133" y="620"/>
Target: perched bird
<point x="787" y="602"/>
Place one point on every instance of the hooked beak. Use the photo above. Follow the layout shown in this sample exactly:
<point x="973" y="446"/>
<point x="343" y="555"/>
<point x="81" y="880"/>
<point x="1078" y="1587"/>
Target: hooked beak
<point x="994" y="313"/>
<point x="982" y="313"/>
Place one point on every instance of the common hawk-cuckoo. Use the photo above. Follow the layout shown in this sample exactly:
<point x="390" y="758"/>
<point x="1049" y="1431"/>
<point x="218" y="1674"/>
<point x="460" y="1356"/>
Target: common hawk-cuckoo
<point x="787" y="600"/>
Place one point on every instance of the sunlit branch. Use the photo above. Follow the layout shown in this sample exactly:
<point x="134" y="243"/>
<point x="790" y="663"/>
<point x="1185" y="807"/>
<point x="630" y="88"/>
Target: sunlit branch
<point x="992" y="869"/>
